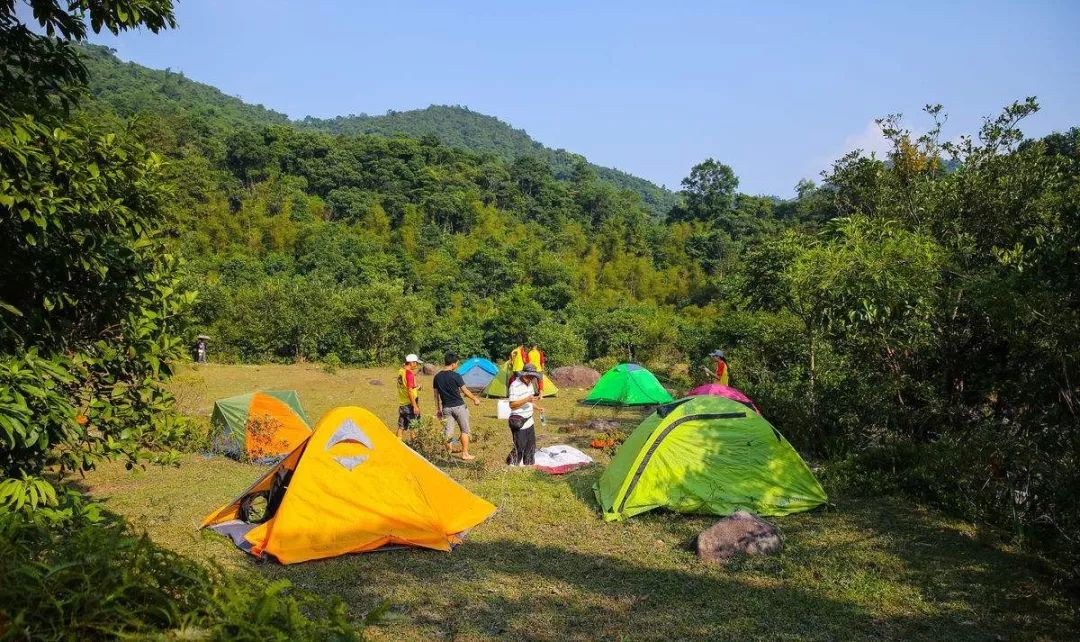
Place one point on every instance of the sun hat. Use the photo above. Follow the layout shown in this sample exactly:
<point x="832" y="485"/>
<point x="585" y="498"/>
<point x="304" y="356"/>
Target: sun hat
<point x="719" y="354"/>
<point x="529" y="371"/>
<point x="412" y="358"/>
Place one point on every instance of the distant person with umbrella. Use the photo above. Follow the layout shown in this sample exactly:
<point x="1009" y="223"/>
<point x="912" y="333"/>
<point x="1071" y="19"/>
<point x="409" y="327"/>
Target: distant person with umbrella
<point x="200" y="348"/>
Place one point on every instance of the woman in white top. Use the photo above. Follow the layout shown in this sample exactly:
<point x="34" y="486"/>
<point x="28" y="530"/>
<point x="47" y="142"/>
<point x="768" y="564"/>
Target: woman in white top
<point x="523" y="402"/>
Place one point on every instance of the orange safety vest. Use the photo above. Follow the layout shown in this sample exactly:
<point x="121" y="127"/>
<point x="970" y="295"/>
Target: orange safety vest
<point x="517" y="359"/>
<point x="722" y="372"/>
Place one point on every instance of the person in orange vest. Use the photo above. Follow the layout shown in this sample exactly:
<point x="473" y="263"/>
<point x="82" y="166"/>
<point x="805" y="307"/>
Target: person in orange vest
<point x="721" y="375"/>
<point x="537" y="357"/>
<point x="408" y="392"/>
<point x="518" y="358"/>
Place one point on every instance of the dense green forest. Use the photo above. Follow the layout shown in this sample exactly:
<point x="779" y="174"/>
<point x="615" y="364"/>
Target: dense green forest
<point x="129" y="88"/>
<point x="912" y="321"/>
<point x="465" y="129"/>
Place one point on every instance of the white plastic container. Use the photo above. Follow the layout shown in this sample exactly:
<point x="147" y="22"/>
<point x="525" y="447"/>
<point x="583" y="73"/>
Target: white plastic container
<point x="502" y="410"/>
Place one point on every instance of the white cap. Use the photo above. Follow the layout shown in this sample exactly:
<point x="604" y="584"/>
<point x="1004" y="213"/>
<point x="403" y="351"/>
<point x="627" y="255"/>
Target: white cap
<point x="412" y="358"/>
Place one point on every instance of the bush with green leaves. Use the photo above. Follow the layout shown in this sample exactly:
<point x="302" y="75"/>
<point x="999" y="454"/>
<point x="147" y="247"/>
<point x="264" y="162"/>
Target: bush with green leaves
<point x="96" y="580"/>
<point x="90" y="306"/>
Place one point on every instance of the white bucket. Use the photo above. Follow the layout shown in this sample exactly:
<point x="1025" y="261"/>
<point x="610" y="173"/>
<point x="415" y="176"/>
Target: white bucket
<point x="502" y="410"/>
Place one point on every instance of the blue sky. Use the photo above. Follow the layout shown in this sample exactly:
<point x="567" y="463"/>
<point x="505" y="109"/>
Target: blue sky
<point x="776" y="90"/>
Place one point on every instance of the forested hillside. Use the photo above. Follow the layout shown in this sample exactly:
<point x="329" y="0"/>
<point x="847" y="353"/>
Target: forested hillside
<point x="129" y="87"/>
<point x="465" y="129"/>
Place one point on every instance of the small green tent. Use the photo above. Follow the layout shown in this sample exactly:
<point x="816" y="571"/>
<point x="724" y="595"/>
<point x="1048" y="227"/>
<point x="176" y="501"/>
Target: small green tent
<point x="628" y="384"/>
<point x="707" y="455"/>
<point x="279" y="424"/>
<point x="500" y="384"/>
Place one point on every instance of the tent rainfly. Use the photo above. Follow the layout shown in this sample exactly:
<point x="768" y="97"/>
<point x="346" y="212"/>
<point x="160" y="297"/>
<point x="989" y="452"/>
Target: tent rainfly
<point x="352" y="486"/>
<point x="628" y="384"/>
<point x="259" y="424"/>
<point x="477" y="372"/>
<point x="710" y="455"/>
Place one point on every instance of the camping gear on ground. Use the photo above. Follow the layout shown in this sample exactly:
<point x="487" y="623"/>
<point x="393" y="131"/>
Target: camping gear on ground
<point x="259" y="425"/>
<point x="560" y="459"/>
<point x="740" y="534"/>
<point x="628" y="384"/>
<point x="500" y="383"/>
<point x="502" y="409"/>
<point x="351" y="487"/>
<point x="717" y="390"/>
<point x="708" y="455"/>
<point x="477" y="372"/>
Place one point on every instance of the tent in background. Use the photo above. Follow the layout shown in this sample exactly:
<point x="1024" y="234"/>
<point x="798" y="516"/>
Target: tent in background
<point x="259" y="424"/>
<point x="351" y="487"/>
<point x="477" y="372"/>
<point x="500" y="384"/>
<point x="628" y="384"/>
<point x="717" y="390"/>
<point x="709" y="455"/>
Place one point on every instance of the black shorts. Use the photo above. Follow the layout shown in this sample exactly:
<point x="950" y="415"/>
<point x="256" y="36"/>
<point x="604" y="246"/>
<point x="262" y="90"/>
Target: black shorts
<point x="406" y="416"/>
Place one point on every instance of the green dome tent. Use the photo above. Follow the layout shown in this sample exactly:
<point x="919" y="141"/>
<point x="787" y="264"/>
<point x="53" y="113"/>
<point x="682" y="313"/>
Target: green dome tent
<point x="706" y="455"/>
<point x="259" y="424"/>
<point x="628" y="384"/>
<point x="500" y="384"/>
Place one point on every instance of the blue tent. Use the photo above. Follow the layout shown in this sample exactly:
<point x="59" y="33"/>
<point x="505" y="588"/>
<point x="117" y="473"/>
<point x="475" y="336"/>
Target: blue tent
<point x="477" y="372"/>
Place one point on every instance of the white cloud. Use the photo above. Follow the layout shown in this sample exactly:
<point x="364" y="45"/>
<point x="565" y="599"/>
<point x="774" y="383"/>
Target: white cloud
<point x="869" y="140"/>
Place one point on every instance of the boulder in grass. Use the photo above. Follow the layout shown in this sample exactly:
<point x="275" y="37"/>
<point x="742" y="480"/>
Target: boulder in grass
<point x="739" y="534"/>
<point x="575" y="376"/>
<point x="376" y="382"/>
<point x="429" y="369"/>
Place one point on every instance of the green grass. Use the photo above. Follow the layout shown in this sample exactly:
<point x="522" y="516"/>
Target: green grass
<point x="546" y="567"/>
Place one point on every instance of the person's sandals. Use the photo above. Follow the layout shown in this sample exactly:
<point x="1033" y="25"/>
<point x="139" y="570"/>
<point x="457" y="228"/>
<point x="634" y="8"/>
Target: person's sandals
<point x="468" y="457"/>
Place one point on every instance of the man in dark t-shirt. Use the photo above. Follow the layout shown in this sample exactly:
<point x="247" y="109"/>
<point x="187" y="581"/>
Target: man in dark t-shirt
<point x="450" y="393"/>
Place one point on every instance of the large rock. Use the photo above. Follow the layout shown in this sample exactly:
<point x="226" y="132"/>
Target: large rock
<point x="575" y="377"/>
<point x="741" y="533"/>
<point x="429" y="369"/>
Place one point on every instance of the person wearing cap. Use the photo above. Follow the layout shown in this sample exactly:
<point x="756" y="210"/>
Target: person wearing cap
<point x="408" y="404"/>
<point x="523" y="402"/>
<point x="721" y="374"/>
<point x="450" y="393"/>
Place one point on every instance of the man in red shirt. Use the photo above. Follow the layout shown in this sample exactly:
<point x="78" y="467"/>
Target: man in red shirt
<point x="408" y="404"/>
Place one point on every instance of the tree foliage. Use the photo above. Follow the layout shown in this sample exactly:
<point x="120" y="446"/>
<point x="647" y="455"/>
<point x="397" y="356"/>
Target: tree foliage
<point x="90" y="305"/>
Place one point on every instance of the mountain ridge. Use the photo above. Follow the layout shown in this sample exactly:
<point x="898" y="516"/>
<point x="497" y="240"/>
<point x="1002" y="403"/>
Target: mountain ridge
<point x="128" y="88"/>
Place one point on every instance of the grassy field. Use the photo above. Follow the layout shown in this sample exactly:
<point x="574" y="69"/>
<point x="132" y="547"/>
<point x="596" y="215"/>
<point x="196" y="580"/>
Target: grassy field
<point x="546" y="567"/>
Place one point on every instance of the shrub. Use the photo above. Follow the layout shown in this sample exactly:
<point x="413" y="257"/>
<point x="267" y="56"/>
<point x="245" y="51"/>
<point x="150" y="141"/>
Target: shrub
<point x="331" y="363"/>
<point x="428" y="439"/>
<point x="261" y="430"/>
<point x="96" y="581"/>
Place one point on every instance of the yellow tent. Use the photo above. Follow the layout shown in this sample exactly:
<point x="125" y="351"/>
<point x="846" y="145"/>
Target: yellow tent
<point x="351" y="487"/>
